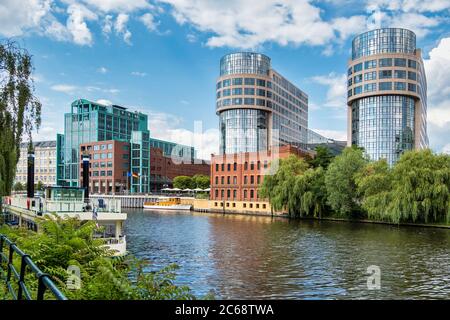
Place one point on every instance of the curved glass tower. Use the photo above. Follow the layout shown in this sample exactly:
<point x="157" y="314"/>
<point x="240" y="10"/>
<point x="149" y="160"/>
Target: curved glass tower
<point x="257" y="107"/>
<point x="387" y="94"/>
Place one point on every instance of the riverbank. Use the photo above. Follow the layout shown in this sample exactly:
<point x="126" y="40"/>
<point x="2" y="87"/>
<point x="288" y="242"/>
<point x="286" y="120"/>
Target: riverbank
<point x="407" y="224"/>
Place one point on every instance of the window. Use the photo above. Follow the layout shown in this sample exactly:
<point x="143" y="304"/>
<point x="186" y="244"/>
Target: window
<point x="245" y="196"/>
<point x="234" y="166"/>
<point x="226" y="83"/>
<point x="219" y="85"/>
<point x="357" y="67"/>
<point x="350" y="82"/>
<point x="102" y="173"/>
<point x="400" y="62"/>
<point x="245" y="165"/>
<point x="249" y="81"/>
<point x="411" y="87"/>
<point x="349" y="71"/>
<point x="249" y="101"/>
<point x="252" y="193"/>
<point x="357" y="90"/>
<point x="245" y="179"/>
<point x="228" y="166"/>
<point x="260" y="82"/>
<point x="110" y="146"/>
<point x="261" y="102"/>
<point x="369" y="87"/>
<point x="228" y="196"/>
<point x="412" y="64"/>
<point x="217" y="180"/>
<point x="370" y="64"/>
<point x="349" y="93"/>
<point x="96" y="147"/>
<point x="217" y="167"/>
<point x="258" y="180"/>
<point x="385" y="74"/>
<point x="358" y="78"/>
<point x="109" y="173"/>
<point x="223" y="167"/>
<point x="96" y="156"/>
<point x="400" y="74"/>
<point x="370" y="76"/>
<point x="222" y="180"/>
<point x="252" y="165"/>
<point x="228" y="180"/>
<point x="226" y="92"/>
<point x="258" y="165"/>
<point x="109" y="155"/>
<point x="400" y="86"/>
<point x="386" y="62"/>
<point x="385" y="86"/>
<point x="249" y="91"/>
<point x="237" y="81"/>
<point x="261" y="92"/>
<point x="103" y="147"/>
<point x="237" y="91"/>
<point x="412" y="75"/>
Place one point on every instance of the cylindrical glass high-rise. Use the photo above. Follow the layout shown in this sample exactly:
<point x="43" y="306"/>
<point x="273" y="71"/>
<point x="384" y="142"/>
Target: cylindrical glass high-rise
<point x="386" y="95"/>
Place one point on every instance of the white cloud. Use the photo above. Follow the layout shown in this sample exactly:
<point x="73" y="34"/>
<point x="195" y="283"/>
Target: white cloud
<point x="104" y="102"/>
<point x="107" y="25"/>
<point x="245" y="24"/>
<point x="337" y="89"/>
<point x="102" y="70"/>
<point x="77" y="25"/>
<point x="446" y="149"/>
<point x="149" y="21"/>
<point x="121" y="27"/>
<point x="138" y="74"/>
<point x="437" y="69"/>
<point x="332" y="134"/>
<point x="166" y="126"/>
<point x="119" y="5"/>
<point x="18" y="16"/>
<point x="65" y="88"/>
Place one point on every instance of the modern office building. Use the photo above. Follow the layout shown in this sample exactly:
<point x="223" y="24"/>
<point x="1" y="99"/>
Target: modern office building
<point x="387" y="94"/>
<point x="258" y="107"/>
<point x="119" y="145"/>
<point x="44" y="163"/>
<point x="109" y="166"/>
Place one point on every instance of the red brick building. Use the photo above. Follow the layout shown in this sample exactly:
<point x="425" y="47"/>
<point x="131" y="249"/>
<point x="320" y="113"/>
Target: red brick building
<point x="236" y="177"/>
<point x="164" y="169"/>
<point x="108" y="166"/>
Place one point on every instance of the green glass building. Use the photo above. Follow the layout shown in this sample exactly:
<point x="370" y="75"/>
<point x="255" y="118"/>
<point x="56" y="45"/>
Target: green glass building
<point x="90" y="122"/>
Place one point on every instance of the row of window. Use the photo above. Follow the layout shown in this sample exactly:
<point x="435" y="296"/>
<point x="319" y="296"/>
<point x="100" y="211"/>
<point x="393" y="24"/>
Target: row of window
<point x="244" y="205"/>
<point x="248" y="194"/>
<point x="242" y="101"/>
<point x="240" y="81"/>
<point x="384" y="62"/>
<point x="101" y="173"/>
<point x="246" y="179"/>
<point x="382" y="86"/>
<point x="246" y="91"/>
<point x="383" y="74"/>
<point x="252" y="166"/>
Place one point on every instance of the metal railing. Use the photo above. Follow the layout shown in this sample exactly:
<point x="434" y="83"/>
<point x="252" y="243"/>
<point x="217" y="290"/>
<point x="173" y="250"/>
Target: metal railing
<point x="10" y="276"/>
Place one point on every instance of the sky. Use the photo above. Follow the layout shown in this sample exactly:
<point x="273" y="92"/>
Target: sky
<point x="162" y="57"/>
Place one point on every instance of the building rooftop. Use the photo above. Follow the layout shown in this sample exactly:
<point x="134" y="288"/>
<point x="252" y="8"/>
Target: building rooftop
<point x="40" y="144"/>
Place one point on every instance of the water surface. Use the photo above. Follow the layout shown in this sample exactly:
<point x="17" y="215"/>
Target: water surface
<point x="249" y="257"/>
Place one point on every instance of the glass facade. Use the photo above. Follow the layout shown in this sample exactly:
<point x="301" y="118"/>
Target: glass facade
<point x="247" y="81"/>
<point x="383" y="125"/>
<point x="383" y="114"/>
<point x="244" y="62"/>
<point x="243" y="130"/>
<point x="387" y="40"/>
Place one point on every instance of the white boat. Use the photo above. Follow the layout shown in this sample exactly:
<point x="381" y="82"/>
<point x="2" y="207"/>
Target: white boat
<point x="70" y="202"/>
<point x="167" y="203"/>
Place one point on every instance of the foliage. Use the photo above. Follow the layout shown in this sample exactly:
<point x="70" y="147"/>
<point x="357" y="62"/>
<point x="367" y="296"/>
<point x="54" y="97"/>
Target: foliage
<point x="20" y="110"/>
<point x="65" y="242"/>
<point x="417" y="188"/>
<point x="197" y="181"/>
<point x="340" y="182"/>
<point x="322" y="159"/>
<point x="183" y="182"/>
<point x="19" y="186"/>
<point x="39" y="186"/>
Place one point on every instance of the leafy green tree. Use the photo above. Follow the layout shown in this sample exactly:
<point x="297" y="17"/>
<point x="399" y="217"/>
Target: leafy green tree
<point x="201" y="181"/>
<point x="18" y="186"/>
<point x="20" y="110"/>
<point x="312" y="193"/>
<point x="39" y="186"/>
<point x="340" y="181"/>
<point x="322" y="158"/>
<point x="278" y="188"/>
<point x="417" y="188"/>
<point x="183" y="182"/>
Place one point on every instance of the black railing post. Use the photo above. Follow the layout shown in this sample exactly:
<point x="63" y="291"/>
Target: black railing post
<point x="21" y="282"/>
<point x="10" y="262"/>
<point x="41" y="287"/>
<point x="1" y="249"/>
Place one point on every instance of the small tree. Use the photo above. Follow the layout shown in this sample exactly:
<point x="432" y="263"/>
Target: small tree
<point x="183" y="182"/>
<point x="18" y="186"/>
<point x="39" y="186"/>
<point x="201" y="181"/>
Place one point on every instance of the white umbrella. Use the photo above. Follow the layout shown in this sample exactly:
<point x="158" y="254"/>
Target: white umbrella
<point x="187" y="190"/>
<point x="166" y="189"/>
<point x="198" y="189"/>
<point x="207" y="189"/>
<point x="175" y="189"/>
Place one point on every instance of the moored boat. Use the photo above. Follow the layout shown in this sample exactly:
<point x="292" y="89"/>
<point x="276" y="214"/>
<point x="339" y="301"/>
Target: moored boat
<point x="167" y="203"/>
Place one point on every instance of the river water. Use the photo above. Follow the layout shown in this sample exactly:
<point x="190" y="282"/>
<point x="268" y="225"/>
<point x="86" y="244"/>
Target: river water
<point x="250" y="257"/>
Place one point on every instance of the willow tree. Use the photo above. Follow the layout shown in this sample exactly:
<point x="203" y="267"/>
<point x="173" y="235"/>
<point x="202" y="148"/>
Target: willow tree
<point x="417" y="188"/>
<point x="340" y="181"/>
<point x="279" y="188"/>
<point x="20" y="110"/>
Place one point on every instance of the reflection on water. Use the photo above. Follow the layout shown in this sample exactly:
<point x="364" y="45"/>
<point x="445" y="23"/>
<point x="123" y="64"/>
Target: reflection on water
<point x="245" y="257"/>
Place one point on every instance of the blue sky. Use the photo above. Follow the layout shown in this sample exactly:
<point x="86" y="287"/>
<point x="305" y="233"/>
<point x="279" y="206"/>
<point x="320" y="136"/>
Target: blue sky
<point x="162" y="57"/>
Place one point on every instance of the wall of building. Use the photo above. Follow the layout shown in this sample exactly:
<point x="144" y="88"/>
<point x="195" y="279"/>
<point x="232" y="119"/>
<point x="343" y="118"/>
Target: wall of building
<point x="163" y="169"/>
<point x="44" y="163"/>
<point x="237" y="177"/>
